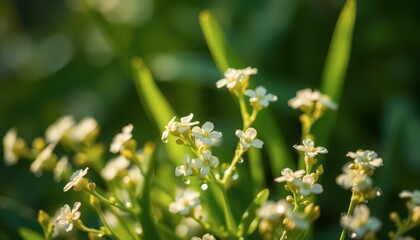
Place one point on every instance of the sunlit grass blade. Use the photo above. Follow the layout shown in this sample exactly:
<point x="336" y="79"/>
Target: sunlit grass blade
<point x="155" y="104"/>
<point x="219" y="47"/>
<point x="224" y="58"/>
<point x="336" y="66"/>
<point x="249" y="221"/>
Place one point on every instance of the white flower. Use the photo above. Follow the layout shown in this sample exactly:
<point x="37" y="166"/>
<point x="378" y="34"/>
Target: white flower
<point x="75" y="178"/>
<point x="306" y="98"/>
<point x="186" y="168"/>
<point x="185" y="123"/>
<point x="68" y="215"/>
<point x="366" y="158"/>
<point x="61" y="165"/>
<point x="206" y="162"/>
<point x="355" y="179"/>
<point x="114" y="166"/>
<point x="170" y="127"/>
<point x="260" y="96"/>
<point x="81" y="130"/>
<point x="121" y="138"/>
<point x="289" y="175"/>
<point x="307" y="186"/>
<point x="206" y="236"/>
<point x="186" y="202"/>
<point x="43" y="156"/>
<point x="235" y="76"/>
<point x="361" y="222"/>
<point x="206" y="134"/>
<point x="248" y="138"/>
<point x="414" y="196"/>
<point x="271" y="210"/>
<point x="309" y="149"/>
<point x="56" y="131"/>
<point x="9" y="141"/>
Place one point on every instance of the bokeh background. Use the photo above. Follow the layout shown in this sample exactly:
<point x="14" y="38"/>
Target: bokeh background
<point x="55" y="61"/>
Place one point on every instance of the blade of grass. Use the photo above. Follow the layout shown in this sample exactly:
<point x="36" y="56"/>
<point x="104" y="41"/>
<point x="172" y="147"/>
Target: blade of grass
<point x="155" y="103"/>
<point x="336" y="67"/>
<point x="225" y="57"/>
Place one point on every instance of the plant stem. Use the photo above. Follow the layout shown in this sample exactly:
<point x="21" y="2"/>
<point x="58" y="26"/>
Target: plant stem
<point x="349" y="212"/>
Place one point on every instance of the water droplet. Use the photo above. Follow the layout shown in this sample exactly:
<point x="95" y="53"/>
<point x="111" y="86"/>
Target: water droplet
<point x="235" y="177"/>
<point x="366" y="201"/>
<point x="187" y="181"/>
<point x="100" y="235"/>
<point x="139" y="230"/>
<point x="241" y="160"/>
<point x="352" y="235"/>
<point x="343" y="214"/>
<point x="204" y="186"/>
<point x="128" y="204"/>
<point x="378" y="192"/>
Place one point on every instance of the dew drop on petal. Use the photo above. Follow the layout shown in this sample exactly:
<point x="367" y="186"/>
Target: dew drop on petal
<point x="204" y="186"/>
<point x="187" y="181"/>
<point x="235" y="177"/>
<point x="352" y="235"/>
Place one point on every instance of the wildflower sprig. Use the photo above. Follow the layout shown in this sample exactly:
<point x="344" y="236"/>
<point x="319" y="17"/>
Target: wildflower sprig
<point x="357" y="177"/>
<point x="413" y="218"/>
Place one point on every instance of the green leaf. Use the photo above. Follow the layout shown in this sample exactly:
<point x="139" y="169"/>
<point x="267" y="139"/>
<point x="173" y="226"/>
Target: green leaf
<point x="266" y="124"/>
<point x="154" y="103"/>
<point x="219" y="47"/>
<point x="250" y="218"/>
<point x="28" y="234"/>
<point x="336" y="67"/>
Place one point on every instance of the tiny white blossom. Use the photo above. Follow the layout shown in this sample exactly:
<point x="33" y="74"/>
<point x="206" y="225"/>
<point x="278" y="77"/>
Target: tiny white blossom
<point x="170" y="127"/>
<point x="206" y="162"/>
<point x="289" y="176"/>
<point x="43" y="156"/>
<point x="309" y="149"/>
<point x="206" y="236"/>
<point x="307" y="186"/>
<point x="248" y="138"/>
<point x="185" y="123"/>
<point x="56" y="131"/>
<point x="75" y="178"/>
<point x="69" y="215"/>
<point x="260" y="96"/>
<point x="61" y="165"/>
<point x="186" y="202"/>
<point x="9" y="141"/>
<point x="186" y="168"/>
<point x="114" y="166"/>
<point x="206" y="134"/>
<point x="360" y="222"/>
<point x="271" y="210"/>
<point x="306" y="98"/>
<point x="366" y="158"/>
<point x="234" y="76"/>
<point x="121" y="138"/>
<point x="355" y="179"/>
<point x="81" y="130"/>
<point x="414" y="196"/>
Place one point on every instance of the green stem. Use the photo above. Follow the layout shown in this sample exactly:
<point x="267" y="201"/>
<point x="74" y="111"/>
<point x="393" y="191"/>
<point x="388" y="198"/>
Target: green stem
<point x="208" y="227"/>
<point x="107" y="201"/>
<point x="235" y="160"/>
<point x="227" y="210"/>
<point x="102" y="217"/>
<point x="349" y="212"/>
<point x="244" y="111"/>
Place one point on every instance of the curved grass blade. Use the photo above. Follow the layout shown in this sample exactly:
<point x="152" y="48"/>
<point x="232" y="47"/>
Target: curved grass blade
<point x="250" y="219"/>
<point x="154" y="103"/>
<point x="336" y="67"/>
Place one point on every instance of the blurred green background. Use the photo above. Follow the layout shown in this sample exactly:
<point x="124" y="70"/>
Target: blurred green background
<point x="54" y="61"/>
